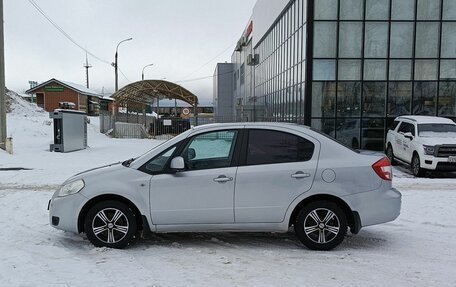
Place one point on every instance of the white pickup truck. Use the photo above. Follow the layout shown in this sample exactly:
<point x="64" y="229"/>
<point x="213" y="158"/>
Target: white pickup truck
<point x="426" y="143"/>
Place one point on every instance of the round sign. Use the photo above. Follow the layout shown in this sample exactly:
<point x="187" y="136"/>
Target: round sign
<point x="186" y="111"/>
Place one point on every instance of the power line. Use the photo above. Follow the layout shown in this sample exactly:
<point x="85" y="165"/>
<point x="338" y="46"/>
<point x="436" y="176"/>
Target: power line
<point x="41" y="11"/>
<point x="208" y="62"/>
<point x="38" y="8"/>
<point x="202" y="78"/>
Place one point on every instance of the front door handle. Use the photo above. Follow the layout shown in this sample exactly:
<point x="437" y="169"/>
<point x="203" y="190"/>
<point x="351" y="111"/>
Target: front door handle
<point x="300" y="174"/>
<point x="222" y="178"/>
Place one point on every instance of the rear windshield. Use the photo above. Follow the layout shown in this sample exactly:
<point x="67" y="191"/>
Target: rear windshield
<point x="430" y="130"/>
<point x="333" y="139"/>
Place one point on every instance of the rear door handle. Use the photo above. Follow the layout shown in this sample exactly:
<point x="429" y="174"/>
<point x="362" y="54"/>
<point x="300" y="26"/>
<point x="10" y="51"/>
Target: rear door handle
<point x="300" y="174"/>
<point x="222" y="178"/>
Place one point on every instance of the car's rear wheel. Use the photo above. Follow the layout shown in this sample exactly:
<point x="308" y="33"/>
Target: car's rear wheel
<point x="415" y="166"/>
<point x="321" y="225"/>
<point x="390" y="154"/>
<point x="110" y="224"/>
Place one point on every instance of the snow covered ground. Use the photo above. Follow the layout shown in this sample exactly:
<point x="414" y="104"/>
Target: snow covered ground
<point x="417" y="249"/>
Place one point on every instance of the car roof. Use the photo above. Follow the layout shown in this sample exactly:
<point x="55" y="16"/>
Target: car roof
<point x="426" y="119"/>
<point x="249" y="124"/>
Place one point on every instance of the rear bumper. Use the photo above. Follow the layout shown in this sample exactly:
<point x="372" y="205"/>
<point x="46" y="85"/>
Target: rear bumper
<point x="375" y="207"/>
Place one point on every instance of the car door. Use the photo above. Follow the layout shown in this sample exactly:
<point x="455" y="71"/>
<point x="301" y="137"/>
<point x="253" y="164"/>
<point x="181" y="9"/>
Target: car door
<point x="403" y="143"/>
<point x="276" y="166"/>
<point x="408" y="143"/>
<point x="203" y="192"/>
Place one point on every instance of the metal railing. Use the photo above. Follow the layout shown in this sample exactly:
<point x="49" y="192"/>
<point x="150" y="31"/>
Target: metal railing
<point x="140" y="126"/>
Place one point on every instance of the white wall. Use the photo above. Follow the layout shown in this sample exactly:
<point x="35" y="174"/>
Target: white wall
<point x="265" y="12"/>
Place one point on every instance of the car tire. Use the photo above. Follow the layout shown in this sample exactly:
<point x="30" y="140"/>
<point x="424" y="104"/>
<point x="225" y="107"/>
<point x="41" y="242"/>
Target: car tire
<point x="390" y="154"/>
<point x="321" y="225"/>
<point x="110" y="224"/>
<point x="415" y="166"/>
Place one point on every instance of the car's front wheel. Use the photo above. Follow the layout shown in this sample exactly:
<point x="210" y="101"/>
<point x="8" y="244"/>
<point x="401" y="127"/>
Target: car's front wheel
<point x="390" y="154"/>
<point x="415" y="166"/>
<point x="321" y="225"/>
<point x="110" y="224"/>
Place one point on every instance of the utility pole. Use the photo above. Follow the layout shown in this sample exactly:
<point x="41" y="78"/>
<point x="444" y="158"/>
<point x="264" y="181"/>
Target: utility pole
<point x="87" y="66"/>
<point x="116" y="65"/>
<point x="2" y="84"/>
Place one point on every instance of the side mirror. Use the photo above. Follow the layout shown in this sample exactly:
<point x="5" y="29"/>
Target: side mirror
<point x="191" y="153"/>
<point x="408" y="135"/>
<point x="177" y="163"/>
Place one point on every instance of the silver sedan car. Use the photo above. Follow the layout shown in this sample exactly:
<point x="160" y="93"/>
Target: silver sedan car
<point x="263" y="177"/>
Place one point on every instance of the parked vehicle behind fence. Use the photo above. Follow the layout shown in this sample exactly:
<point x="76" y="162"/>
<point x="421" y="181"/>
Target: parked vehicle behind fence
<point x="233" y="177"/>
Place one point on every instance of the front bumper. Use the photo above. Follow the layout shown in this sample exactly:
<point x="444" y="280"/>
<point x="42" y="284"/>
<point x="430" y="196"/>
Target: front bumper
<point x="437" y="163"/>
<point x="64" y="211"/>
<point x="375" y="207"/>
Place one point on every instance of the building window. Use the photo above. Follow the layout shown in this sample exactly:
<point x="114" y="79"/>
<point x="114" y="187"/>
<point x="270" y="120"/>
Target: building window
<point x="326" y="126"/>
<point x="401" y="45"/>
<point x="448" y="69"/>
<point x="376" y="41"/>
<point x="428" y="10"/>
<point x="447" y="99"/>
<point x="349" y="99"/>
<point x="427" y="40"/>
<point x="351" y="9"/>
<point x="324" y="99"/>
<point x="403" y="10"/>
<point x="449" y="40"/>
<point x="347" y="131"/>
<point x="350" y="39"/>
<point x="449" y="10"/>
<point x="325" y="10"/>
<point x="325" y="36"/>
<point x="372" y="134"/>
<point x="375" y="70"/>
<point x="399" y="98"/>
<point x="377" y="9"/>
<point x="242" y="74"/>
<point x="349" y="70"/>
<point x="374" y="97"/>
<point x="324" y="70"/>
<point x="426" y="70"/>
<point x="424" y="99"/>
<point x="400" y="70"/>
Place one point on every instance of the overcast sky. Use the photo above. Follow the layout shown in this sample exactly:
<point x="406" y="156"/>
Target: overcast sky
<point x="177" y="36"/>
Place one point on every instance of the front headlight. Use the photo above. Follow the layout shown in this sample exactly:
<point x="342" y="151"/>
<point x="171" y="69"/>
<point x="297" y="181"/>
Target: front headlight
<point x="71" y="188"/>
<point x="429" y="149"/>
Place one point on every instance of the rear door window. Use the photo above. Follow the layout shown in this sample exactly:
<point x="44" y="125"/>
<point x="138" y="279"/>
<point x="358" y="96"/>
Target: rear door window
<point x="270" y="147"/>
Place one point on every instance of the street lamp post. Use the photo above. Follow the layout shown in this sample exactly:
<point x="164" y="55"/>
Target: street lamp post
<point x="115" y="64"/>
<point x="142" y="74"/>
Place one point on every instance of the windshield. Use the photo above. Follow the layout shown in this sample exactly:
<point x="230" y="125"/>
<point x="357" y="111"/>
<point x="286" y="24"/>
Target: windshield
<point x="443" y="130"/>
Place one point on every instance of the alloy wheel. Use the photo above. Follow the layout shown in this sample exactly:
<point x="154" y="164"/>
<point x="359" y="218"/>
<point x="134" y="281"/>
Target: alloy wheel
<point x="110" y="225"/>
<point x="321" y="225"/>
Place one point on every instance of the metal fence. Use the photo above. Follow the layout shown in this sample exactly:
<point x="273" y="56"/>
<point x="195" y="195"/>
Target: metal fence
<point x="129" y="130"/>
<point x="141" y="126"/>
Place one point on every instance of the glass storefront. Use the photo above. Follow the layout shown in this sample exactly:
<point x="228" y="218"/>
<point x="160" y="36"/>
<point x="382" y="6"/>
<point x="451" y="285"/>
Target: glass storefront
<point x="372" y="60"/>
<point x="382" y="58"/>
<point x="280" y="73"/>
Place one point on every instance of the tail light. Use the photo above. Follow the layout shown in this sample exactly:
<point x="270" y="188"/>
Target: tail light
<point x="383" y="169"/>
